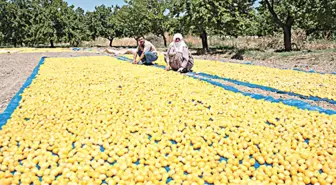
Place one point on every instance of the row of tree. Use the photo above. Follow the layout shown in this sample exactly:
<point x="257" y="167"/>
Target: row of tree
<point x="36" y="22"/>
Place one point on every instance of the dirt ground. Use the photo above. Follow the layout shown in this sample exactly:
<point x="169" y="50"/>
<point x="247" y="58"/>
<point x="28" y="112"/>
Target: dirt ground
<point x="319" y="61"/>
<point x="16" y="68"/>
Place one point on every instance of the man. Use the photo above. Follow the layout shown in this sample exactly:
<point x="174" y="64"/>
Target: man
<point x="146" y="51"/>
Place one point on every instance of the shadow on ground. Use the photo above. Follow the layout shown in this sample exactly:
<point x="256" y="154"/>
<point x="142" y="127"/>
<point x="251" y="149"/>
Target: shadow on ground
<point x="230" y="51"/>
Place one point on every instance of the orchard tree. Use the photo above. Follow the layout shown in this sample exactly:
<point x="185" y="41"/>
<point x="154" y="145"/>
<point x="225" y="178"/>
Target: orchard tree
<point x="204" y="17"/>
<point x="3" y="4"/>
<point x="285" y="13"/>
<point x="320" y="18"/>
<point x="102" y="23"/>
<point x="264" y="22"/>
<point x="312" y="16"/>
<point x="240" y="21"/>
<point x="75" y="28"/>
<point x="50" y="23"/>
<point x="116" y="29"/>
<point x="201" y="17"/>
<point x="15" y="18"/>
<point x="133" y="25"/>
<point x="157" y="14"/>
<point x="92" y="23"/>
<point x="326" y="16"/>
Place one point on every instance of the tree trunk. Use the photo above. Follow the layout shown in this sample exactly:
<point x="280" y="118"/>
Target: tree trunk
<point x="164" y="40"/>
<point x="52" y="44"/>
<point x="328" y="35"/>
<point x="288" y="37"/>
<point x="111" y="41"/>
<point x="205" y="45"/>
<point x="286" y="26"/>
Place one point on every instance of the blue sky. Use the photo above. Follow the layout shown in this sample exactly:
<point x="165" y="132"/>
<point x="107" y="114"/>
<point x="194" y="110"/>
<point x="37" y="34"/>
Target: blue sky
<point x="256" y="4"/>
<point x="89" y="5"/>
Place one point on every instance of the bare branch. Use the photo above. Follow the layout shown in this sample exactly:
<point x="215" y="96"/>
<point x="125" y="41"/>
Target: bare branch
<point x="274" y="15"/>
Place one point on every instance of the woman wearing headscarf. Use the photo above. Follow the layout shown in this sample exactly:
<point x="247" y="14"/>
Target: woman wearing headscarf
<point x="178" y="57"/>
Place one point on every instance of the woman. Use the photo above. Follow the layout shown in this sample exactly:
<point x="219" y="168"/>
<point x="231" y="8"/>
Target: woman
<point x="178" y="57"/>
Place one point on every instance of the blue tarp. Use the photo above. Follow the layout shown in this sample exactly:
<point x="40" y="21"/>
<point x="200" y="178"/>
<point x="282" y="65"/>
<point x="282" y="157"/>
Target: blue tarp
<point x="17" y="98"/>
<point x="295" y="69"/>
<point x="291" y="102"/>
<point x="265" y="88"/>
<point x="251" y="85"/>
<point x="14" y="103"/>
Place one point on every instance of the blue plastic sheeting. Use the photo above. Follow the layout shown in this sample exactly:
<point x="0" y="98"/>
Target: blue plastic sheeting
<point x="223" y="159"/>
<point x="167" y="168"/>
<point x="173" y="142"/>
<point x="307" y="141"/>
<point x="102" y="149"/>
<point x="169" y="180"/>
<point x="16" y="99"/>
<point x="130" y="60"/>
<point x="312" y="71"/>
<point x="14" y="103"/>
<point x="124" y="58"/>
<point x="295" y="69"/>
<point x="265" y="88"/>
<point x="291" y="102"/>
<point x="75" y="49"/>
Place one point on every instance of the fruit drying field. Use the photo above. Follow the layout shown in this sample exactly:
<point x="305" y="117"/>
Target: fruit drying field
<point x="100" y="120"/>
<point x="44" y="50"/>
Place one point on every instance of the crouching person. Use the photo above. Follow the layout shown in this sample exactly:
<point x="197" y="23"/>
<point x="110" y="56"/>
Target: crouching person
<point x="178" y="57"/>
<point x="146" y="51"/>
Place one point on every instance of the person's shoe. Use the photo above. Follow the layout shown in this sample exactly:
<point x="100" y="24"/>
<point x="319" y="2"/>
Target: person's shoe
<point x="148" y="64"/>
<point x="185" y="71"/>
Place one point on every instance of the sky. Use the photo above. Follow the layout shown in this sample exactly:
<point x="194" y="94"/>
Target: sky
<point x="89" y="5"/>
<point x="257" y="3"/>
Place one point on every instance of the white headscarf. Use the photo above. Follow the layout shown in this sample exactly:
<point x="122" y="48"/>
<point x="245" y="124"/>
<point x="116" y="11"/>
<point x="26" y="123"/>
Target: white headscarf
<point x="179" y="45"/>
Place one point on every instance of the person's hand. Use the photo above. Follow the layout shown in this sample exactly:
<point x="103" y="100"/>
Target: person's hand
<point x="168" y="68"/>
<point x="134" y="62"/>
<point x="180" y="70"/>
<point x="115" y="53"/>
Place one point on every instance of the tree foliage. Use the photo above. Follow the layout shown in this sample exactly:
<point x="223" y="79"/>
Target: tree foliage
<point x="41" y="22"/>
<point x="133" y="20"/>
<point x="221" y="17"/>
<point x="313" y="16"/>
